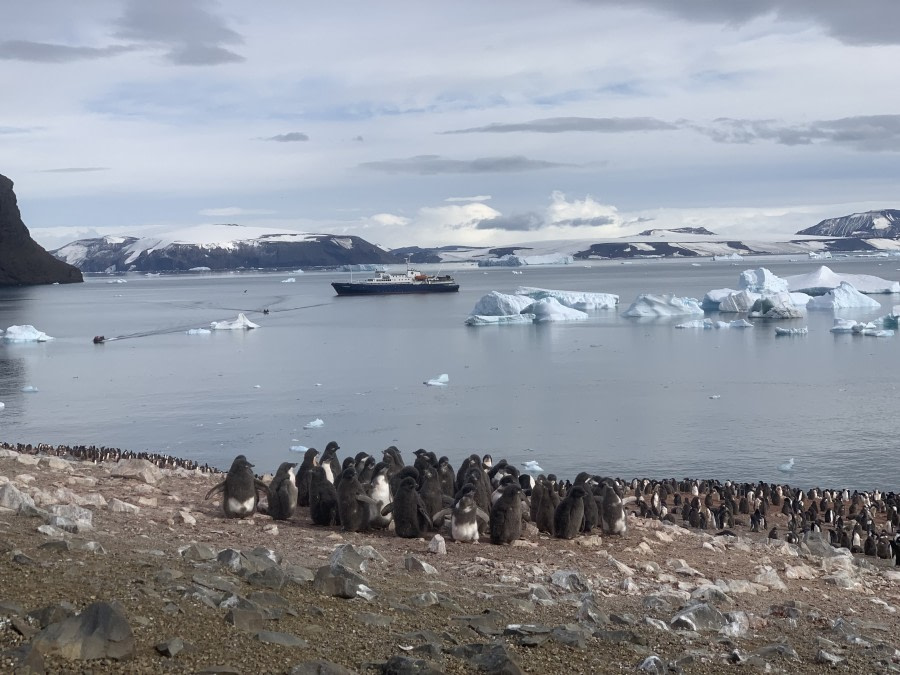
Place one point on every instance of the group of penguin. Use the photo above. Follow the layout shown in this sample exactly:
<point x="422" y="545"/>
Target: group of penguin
<point x="102" y="453"/>
<point x="850" y="518"/>
<point x="479" y="499"/>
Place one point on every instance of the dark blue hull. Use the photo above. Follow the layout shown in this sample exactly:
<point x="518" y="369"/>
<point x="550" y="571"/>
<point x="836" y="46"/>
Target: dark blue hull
<point x="351" y="288"/>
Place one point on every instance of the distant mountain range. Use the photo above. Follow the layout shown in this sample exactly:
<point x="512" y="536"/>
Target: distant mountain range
<point x="222" y="247"/>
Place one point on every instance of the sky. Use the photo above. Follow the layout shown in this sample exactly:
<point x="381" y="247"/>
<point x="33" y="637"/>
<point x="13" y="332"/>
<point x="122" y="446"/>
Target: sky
<point x="451" y="123"/>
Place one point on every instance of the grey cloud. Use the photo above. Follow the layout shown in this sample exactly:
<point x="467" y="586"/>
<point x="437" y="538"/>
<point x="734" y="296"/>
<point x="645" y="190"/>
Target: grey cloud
<point x="587" y="222"/>
<point x="426" y="165"/>
<point x="556" y="125"/>
<point x="520" y="222"/>
<point x="869" y="133"/>
<point x="875" y="22"/>
<point x="290" y="137"/>
<point x="194" y="34"/>
<point x="75" y="169"/>
<point x="45" y="52"/>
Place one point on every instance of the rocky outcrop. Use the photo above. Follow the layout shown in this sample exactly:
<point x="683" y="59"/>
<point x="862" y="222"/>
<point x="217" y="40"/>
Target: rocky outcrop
<point x="22" y="261"/>
<point x="883" y="224"/>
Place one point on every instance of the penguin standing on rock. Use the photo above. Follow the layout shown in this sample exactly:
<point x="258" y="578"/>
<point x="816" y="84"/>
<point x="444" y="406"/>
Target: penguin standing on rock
<point x="506" y="515"/>
<point x="240" y="489"/>
<point x="283" y="492"/>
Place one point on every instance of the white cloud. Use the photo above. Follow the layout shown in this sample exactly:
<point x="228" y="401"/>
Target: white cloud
<point x="230" y="211"/>
<point x="584" y="212"/>
<point x="476" y="198"/>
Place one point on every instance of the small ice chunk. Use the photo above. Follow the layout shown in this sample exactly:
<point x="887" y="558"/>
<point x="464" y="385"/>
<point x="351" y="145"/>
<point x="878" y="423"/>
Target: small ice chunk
<point x="440" y="381"/>
<point x="791" y="331"/>
<point x="532" y="466"/>
<point x="483" y="320"/>
<point x="29" y="389"/>
<point x="844" y="325"/>
<point x="2" y="405"/>
<point x="716" y="397"/>
<point x="705" y="324"/>
<point x="199" y="331"/>
<point x="117" y="281"/>
<point x="787" y="466"/>
<point x="289" y="280"/>
<point x="299" y="448"/>
<point x="25" y="333"/>
<point x="876" y="332"/>
<point x="241" y="323"/>
<point x="315" y="424"/>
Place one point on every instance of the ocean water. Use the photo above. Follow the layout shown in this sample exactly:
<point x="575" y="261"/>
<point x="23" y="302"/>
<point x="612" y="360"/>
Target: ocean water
<point x="611" y="395"/>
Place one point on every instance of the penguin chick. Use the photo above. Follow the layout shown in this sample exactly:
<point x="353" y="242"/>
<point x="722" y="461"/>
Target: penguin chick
<point x="240" y="489"/>
<point x="283" y="492"/>
<point x="506" y="515"/>
<point x="411" y="518"/>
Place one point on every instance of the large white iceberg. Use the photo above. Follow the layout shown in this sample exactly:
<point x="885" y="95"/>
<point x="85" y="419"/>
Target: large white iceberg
<point x="713" y="298"/>
<point x="761" y="280"/>
<point x="739" y="301"/>
<point x="488" y="320"/>
<point x="26" y="333"/>
<point x="844" y="296"/>
<point x="776" y="306"/>
<point x="650" y="305"/>
<point x="580" y="300"/>
<point x="500" y="304"/>
<point x="824" y="279"/>
<point x="241" y="323"/>
<point x="550" y="309"/>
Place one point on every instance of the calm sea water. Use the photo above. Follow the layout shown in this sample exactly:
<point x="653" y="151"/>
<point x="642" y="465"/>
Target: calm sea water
<point x="611" y="395"/>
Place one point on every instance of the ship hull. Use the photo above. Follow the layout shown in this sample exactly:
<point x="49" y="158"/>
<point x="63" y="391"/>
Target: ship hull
<point x="351" y="288"/>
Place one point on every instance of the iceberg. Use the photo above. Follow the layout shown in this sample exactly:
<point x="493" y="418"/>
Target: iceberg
<point x="26" y="333"/>
<point x="844" y="296"/>
<point x="500" y="304"/>
<point x="776" y="306"/>
<point x="824" y="255"/>
<point x="440" y="381"/>
<point x="289" y="280"/>
<point x="713" y="298"/>
<point x="780" y="332"/>
<point x="315" y="424"/>
<point x="733" y="256"/>
<point x="845" y="326"/>
<point x="241" y="323"/>
<point x="761" y="280"/>
<point x="488" y="320"/>
<point x="704" y="324"/>
<point x="117" y="281"/>
<point x="299" y="448"/>
<point x="29" y="389"/>
<point x="824" y="279"/>
<point x="2" y="405"/>
<point x="198" y="331"/>
<point x="741" y="301"/>
<point x="580" y="300"/>
<point x="650" y="305"/>
<point x="550" y="309"/>
<point x="707" y="324"/>
<point x="878" y="332"/>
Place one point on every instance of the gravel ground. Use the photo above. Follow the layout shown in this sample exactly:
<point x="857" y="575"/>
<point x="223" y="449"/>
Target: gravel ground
<point x="142" y="568"/>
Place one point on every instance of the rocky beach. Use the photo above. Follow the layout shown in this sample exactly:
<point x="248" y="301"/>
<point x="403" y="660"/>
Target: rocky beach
<point x="115" y="567"/>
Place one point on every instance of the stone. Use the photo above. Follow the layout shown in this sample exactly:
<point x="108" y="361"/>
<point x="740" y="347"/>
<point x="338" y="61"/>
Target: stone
<point x="571" y="636"/>
<point x="199" y="552"/>
<point x="818" y="544"/>
<point x="799" y="571"/>
<point x="699" y="617"/>
<point x="589" y="612"/>
<point x="170" y="647"/>
<point x="354" y="558"/>
<point x="137" y="469"/>
<point x="590" y="541"/>
<point x="272" y="577"/>
<point x="100" y="631"/>
<point x="341" y="585"/>
<point x="570" y="580"/>
<point x="57" y="545"/>
<point x="828" y="658"/>
<point x="491" y="658"/>
<point x="437" y="545"/>
<point x="283" y="639"/>
<point x="405" y="665"/>
<point x="118" y="506"/>
<point x="12" y="498"/>
<point x="769" y="578"/>
<point x="319" y="667"/>
<point x="57" y="463"/>
<point x="422" y="600"/>
<point x="51" y="614"/>
<point x="370" y="619"/>
<point x="653" y="664"/>
<point x="28" y="460"/>
<point x="413" y="564"/>
<point x="247" y="620"/>
<point x="711" y="594"/>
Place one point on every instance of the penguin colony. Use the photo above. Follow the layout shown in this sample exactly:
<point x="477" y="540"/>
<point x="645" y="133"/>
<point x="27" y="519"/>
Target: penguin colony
<point x="483" y="499"/>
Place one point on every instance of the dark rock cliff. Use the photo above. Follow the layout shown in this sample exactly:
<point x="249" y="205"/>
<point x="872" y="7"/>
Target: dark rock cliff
<point x="884" y="224"/>
<point x="22" y="261"/>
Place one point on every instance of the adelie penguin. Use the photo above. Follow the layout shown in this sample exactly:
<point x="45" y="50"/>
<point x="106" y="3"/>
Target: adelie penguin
<point x="355" y="507"/>
<point x="330" y="463"/>
<point x="569" y="515"/>
<point x="464" y="516"/>
<point x="310" y="459"/>
<point x="411" y="518"/>
<point x="506" y="515"/>
<point x="612" y="512"/>
<point x="240" y="489"/>
<point x="323" y="502"/>
<point x="380" y="491"/>
<point x="283" y="492"/>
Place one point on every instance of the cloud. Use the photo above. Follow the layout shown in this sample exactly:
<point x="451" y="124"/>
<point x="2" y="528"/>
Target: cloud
<point x="75" y="169"/>
<point x="194" y="35"/>
<point x="868" y="133"/>
<point x="290" y="137"/>
<point x="476" y="198"/>
<point x="389" y="220"/>
<point x="427" y="165"/>
<point x="845" y="21"/>
<point x="233" y="211"/>
<point x="46" y="52"/>
<point x="557" y="125"/>
<point x="454" y="217"/>
<point x="580" y="213"/>
<point x="521" y="222"/>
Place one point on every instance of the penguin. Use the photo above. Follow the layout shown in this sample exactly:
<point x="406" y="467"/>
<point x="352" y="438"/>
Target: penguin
<point x="411" y="519"/>
<point x="591" y="509"/>
<point x="323" y="501"/>
<point x="240" y="489"/>
<point x="464" y="516"/>
<point x="380" y="490"/>
<point x="392" y="458"/>
<point x="330" y="463"/>
<point x="773" y="533"/>
<point x="404" y="472"/>
<point x="546" y="508"/>
<point x="568" y="516"/>
<point x="612" y="512"/>
<point x="283" y="492"/>
<point x="430" y="491"/>
<point x="506" y="515"/>
<point x="423" y="461"/>
<point x="869" y="547"/>
<point x="884" y="548"/>
<point x="310" y="459"/>
<point x="355" y="507"/>
<point x="448" y="477"/>
<point x="368" y="469"/>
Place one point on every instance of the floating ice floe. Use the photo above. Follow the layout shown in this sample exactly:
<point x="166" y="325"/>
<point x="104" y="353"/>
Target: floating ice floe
<point x="532" y="466"/>
<point x="315" y="424"/>
<point x="845" y="296"/>
<point x="26" y="333"/>
<point x="869" y="329"/>
<point x="289" y="280"/>
<point x="29" y="389"/>
<point x="824" y="279"/>
<point x="2" y="405"/>
<point x="787" y="466"/>
<point x="299" y="448"/>
<point x="117" y="281"/>
<point x="650" y="305"/>
<point x="487" y="320"/>
<point x="776" y="306"/>
<point x="733" y="256"/>
<point x="580" y="300"/>
<point x="440" y="381"/>
<point x="241" y="323"/>
<point x="199" y="331"/>
<point x="791" y="331"/>
<point x="550" y="309"/>
<point x="500" y="304"/>
<point x="709" y="324"/>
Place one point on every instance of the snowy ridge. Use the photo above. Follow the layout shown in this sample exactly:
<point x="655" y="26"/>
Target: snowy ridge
<point x="884" y="223"/>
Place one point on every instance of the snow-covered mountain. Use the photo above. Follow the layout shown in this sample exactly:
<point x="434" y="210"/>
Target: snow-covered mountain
<point x="884" y="224"/>
<point x="220" y="247"/>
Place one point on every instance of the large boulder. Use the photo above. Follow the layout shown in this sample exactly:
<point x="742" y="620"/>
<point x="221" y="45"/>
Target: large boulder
<point x="101" y="631"/>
